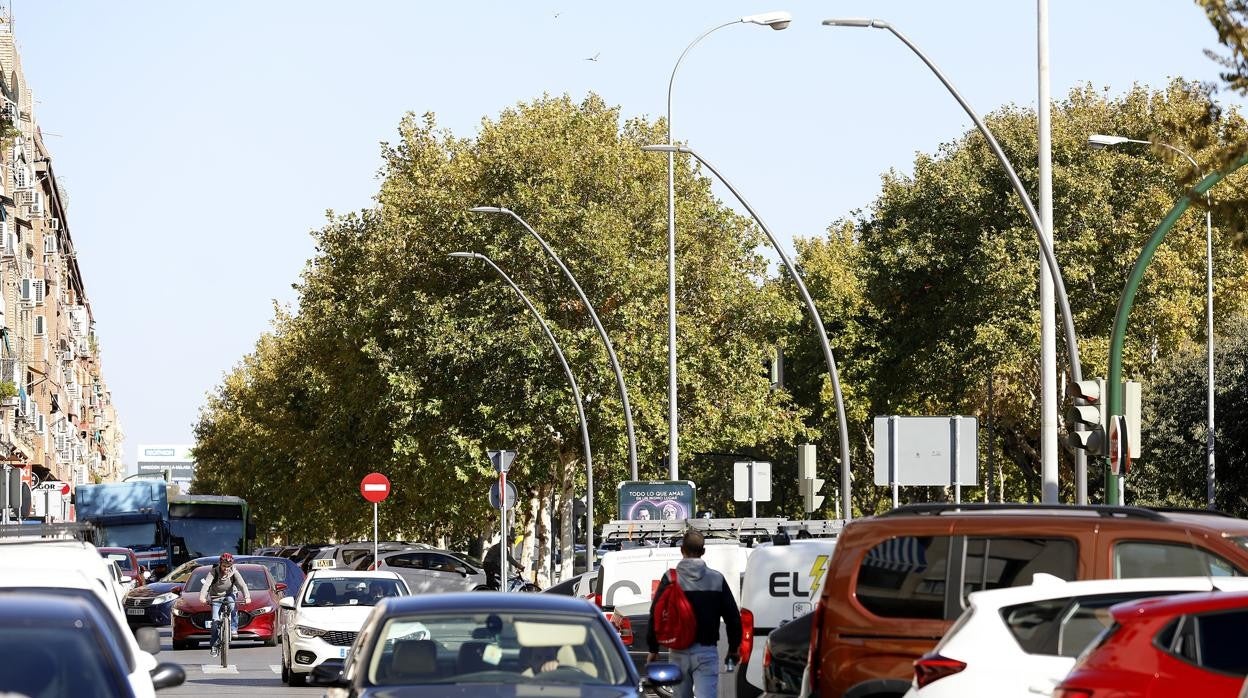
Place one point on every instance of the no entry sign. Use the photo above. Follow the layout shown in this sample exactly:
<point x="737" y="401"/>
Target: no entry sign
<point x="375" y="487"/>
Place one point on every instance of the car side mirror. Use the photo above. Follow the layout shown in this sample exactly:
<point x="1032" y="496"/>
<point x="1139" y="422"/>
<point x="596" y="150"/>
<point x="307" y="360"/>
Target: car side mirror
<point x="148" y="639"/>
<point x="280" y="586"/>
<point x="167" y="675"/>
<point x="661" y="674"/>
<point x="329" y="675"/>
<point x="287" y="602"/>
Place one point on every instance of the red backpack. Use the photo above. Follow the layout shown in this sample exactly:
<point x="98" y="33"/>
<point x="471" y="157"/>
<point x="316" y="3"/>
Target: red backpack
<point x="675" y="625"/>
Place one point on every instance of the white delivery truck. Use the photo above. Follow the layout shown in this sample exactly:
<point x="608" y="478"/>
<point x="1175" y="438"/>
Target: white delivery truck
<point x="781" y="582"/>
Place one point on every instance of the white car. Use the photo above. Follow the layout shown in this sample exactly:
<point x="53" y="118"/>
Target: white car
<point x="1022" y="641"/>
<point x="327" y="614"/>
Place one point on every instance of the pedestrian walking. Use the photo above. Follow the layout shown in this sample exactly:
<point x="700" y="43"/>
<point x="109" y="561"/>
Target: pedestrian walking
<point x="711" y="600"/>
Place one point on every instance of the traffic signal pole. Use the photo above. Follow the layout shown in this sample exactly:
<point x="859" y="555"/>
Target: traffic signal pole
<point x="1114" y="405"/>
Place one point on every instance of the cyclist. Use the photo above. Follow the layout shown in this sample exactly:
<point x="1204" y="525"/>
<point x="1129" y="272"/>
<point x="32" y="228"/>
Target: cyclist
<point x="493" y="562"/>
<point x="220" y="586"/>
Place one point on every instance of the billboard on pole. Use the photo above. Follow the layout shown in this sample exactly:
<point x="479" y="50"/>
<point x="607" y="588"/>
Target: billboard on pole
<point x="656" y="500"/>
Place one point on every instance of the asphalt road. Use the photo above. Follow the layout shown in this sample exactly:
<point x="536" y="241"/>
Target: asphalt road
<point x="254" y="670"/>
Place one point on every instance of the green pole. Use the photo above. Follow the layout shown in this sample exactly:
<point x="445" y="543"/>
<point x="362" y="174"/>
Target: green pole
<point x="1113" y="492"/>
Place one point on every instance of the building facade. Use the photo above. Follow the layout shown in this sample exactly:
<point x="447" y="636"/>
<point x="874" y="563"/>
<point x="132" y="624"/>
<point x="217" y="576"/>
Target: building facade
<point x="57" y="419"/>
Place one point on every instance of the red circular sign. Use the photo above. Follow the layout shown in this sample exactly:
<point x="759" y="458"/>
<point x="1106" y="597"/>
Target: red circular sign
<point x="64" y="488"/>
<point x="375" y="487"/>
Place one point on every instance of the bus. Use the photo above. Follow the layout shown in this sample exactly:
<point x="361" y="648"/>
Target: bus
<point x="203" y="525"/>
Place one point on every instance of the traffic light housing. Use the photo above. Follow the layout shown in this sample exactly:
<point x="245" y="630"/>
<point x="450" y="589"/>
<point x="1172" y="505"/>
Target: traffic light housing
<point x="807" y="483"/>
<point x="1086" y="419"/>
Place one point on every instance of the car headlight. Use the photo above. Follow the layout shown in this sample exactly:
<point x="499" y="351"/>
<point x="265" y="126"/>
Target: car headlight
<point x="262" y="610"/>
<point x="179" y="612"/>
<point x="306" y="631"/>
<point x="164" y="598"/>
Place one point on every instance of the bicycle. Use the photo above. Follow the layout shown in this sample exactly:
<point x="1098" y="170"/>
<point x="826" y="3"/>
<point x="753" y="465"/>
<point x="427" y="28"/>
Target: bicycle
<point x="516" y="583"/>
<point x="223" y="621"/>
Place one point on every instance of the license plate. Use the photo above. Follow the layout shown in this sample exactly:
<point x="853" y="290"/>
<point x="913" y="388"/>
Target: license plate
<point x="343" y="652"/>
<point x="135" y="612"/>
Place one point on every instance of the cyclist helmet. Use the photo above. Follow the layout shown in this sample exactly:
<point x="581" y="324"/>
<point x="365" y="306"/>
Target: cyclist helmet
<point x="226" y="559"/>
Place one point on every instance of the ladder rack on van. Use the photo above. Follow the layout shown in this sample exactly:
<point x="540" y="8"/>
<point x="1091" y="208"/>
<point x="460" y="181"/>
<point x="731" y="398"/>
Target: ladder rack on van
<point x="74" y="530"/>
<point x="735" y="528"/>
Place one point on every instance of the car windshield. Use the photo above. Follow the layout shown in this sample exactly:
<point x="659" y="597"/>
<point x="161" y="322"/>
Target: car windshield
<point x="57" y="661"/>
<point x="127" y="535"/>
<point x="254" y="578"/>
<point x="350" y="591"/>
<point x="122" y="560"/>
<point x="495" y="648"/>
<point x="182" y="572"/>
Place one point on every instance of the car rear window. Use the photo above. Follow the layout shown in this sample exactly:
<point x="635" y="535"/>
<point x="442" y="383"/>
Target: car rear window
<point x="1064" y="627"/>
<point x="1211" y="640"/>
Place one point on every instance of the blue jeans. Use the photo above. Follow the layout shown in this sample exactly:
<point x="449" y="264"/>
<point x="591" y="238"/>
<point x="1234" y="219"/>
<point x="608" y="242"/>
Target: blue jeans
<point x="699" y="668"/>
<point x="228" y="599"/>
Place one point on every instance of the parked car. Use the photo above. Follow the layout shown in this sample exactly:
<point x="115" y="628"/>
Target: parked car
<point x="432" y="570"/>
<point x="581" y="586"/>
<point x="488" y="644"/>
<point x="1021" y="642"/>
<point x="266" y="551"/>
<point x="784" y="657"/>
<point x="258" y="620"/>
<point x="303" y="557"/>
<point x="898" y="581"/>
<point x="1184" y="645"/>
<point x="129" y="564"/>
<point x="327" y="614"/>
<point x="350" y="555"/>
<point x="137" y="648"/>
<point x="63" y="645"/>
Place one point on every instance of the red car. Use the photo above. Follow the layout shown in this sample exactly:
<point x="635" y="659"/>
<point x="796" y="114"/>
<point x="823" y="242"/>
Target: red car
<point x="1185" y="645"/>
<point x="128" y="562"/>
<point x="259" y="620"/>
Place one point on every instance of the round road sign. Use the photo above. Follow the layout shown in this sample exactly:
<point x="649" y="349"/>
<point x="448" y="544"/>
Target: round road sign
<point x="64" y="488"/>
<point x="375" y="487"/>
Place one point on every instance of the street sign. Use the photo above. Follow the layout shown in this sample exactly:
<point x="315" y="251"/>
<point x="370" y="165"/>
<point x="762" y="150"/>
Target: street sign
<point x="1119" y="446"/>
<point x="53" y="486"/>
<point x="375" y="487"/>
<point x="501" y="460"/>
<point x="741" y="481"/>
<point x="510" y="501"/>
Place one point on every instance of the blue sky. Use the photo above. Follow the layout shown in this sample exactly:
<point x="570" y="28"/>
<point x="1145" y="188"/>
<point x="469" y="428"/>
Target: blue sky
<point x="201" y="142"/>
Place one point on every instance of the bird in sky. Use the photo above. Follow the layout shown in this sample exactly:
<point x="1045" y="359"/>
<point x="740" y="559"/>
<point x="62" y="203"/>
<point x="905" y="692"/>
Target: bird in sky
<point x="594" y="57"/>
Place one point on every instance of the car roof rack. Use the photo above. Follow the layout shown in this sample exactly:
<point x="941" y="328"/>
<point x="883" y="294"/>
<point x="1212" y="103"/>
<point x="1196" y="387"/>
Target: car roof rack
<point x="1189" y="510"/>
<point x="1109" y="511"/>
<point x="72" y="530"/>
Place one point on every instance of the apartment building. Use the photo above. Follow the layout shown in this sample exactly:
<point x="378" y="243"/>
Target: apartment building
<point x="57" y="420"/>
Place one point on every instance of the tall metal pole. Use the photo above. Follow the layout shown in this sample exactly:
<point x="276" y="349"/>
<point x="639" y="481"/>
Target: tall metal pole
<point x="820" y="331"/>
<point x="5" y="518"/>
<point x="775" y="20"/>
<point x="1048" y="327"/>
<point x="602" y="333"/>
<point x="576" y="394"/>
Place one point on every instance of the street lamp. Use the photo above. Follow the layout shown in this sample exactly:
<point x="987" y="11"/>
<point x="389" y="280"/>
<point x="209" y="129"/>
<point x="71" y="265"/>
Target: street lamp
<point x="1098" y="140"/>
<point x="1046" y="246"/>
<point x="576" y="393"/>
<point x="602" y="332"/>
<point x="777" y="21"/>
<point x="820" y="332"/>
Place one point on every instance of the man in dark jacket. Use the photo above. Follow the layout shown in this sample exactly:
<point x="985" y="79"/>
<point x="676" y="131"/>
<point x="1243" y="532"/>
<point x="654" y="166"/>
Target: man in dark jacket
<point x="493" y="562"/>
<point x="711" y="600"/>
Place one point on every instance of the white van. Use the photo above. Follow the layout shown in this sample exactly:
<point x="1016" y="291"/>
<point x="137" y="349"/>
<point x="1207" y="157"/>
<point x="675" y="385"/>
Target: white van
<point x="627" y="577"/>
<point x="781" y="582"/>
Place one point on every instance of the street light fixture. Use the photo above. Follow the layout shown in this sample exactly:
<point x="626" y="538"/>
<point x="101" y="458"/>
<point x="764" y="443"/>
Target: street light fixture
<point x="576" y="394"/>
<point x="820" y="331"/>
<point x="1046" y="247"/>
<point x="776" y="20"/>
<point x="1100" y="140"/>
<point x="602" y="332"/>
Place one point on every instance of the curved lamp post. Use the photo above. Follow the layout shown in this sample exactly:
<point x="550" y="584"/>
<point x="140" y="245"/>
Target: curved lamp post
<point x="1118" y="337"/>
<point x="777" y="21"/>
<point x="576" y="393"/>
<point x="1046" y="247"/>
<point x="1098" y="140"/>
<point x="848" y="511"/>
<point x="602" y="332"/>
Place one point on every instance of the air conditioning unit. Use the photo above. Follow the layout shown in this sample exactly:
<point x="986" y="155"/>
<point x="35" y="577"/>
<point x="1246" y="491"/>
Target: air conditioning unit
<point x="10" y="243"/>
<point x="26" y="197"/>
<point x="30" y="410"/>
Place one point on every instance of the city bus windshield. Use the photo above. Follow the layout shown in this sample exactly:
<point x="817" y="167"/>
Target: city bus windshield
<point x="127" y="535"/>
<point x="205" y="537"/>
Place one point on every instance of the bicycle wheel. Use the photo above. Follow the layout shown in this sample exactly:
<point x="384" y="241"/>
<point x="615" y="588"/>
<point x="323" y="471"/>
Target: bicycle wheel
<point x="223" y="632"/>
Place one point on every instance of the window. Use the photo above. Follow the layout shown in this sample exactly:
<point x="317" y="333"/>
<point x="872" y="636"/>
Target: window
<point x="441" y="563"/>
<point x="905" y="577"/>
<point x="1136" y="559"/>
<point x="1209" y="640"/>
<point x="998" y="563"/>
<point x="40" y="325"/>
<point x="407" y="561"/>
<point x="1064" y="627"/>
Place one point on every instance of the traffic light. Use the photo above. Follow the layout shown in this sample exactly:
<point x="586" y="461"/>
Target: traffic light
<point x="773" y="366"/>
<point x="807" y="483"/>
<point x="1086" y="419"/>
